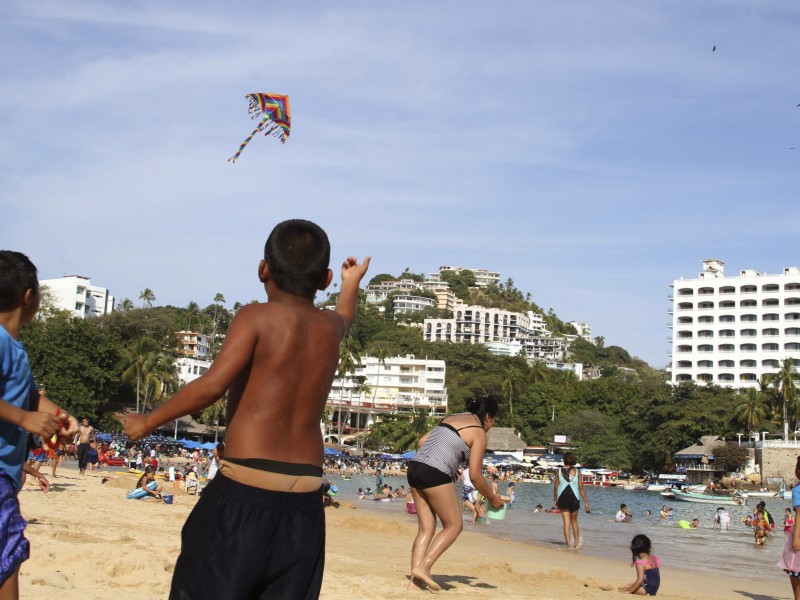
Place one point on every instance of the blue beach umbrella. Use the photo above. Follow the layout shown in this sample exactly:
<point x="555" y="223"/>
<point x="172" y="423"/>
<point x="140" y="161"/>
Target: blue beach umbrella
<point x="409" y="454"/>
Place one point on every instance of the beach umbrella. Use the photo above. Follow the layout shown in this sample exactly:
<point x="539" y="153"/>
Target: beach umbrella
<point x="409" y="454"/>
<point x="208" y="446"/>
<point x="333" y="452"/>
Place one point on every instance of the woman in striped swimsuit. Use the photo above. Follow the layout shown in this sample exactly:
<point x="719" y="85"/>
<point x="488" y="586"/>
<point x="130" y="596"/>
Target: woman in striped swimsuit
<point x="458" y="439"/>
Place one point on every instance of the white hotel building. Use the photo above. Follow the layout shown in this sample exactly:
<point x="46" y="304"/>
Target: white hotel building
<point x="399" y="384"/>
<point x="732" y="330"/>
<point x="76" y="294"/>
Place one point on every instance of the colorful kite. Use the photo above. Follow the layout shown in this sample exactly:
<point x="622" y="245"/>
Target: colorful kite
<point x="276" y="118"/>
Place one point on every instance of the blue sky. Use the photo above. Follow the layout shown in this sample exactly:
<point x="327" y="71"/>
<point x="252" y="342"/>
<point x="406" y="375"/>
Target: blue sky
<point x="591" y="151"/>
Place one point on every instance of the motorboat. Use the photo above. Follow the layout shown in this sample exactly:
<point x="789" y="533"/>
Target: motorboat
<point x="735" y="499"/>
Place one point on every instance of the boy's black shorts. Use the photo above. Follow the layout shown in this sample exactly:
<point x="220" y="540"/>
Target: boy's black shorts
<point x="243" y="543"/>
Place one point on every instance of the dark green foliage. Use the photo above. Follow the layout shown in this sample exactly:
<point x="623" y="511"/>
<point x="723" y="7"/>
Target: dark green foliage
<point x="76" y="361"/>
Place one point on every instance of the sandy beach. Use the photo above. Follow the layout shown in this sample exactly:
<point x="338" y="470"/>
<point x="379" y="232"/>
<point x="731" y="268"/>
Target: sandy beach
<point x="88" y="541"/>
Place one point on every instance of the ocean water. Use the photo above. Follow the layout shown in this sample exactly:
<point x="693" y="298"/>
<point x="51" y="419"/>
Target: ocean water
<point x="703" y="549"/>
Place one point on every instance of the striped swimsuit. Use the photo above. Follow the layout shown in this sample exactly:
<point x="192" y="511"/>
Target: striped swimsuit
<point x="445" y="451"/>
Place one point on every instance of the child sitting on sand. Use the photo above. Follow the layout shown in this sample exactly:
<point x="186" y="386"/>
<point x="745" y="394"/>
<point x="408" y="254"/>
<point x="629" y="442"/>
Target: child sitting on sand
<point x="258" y="529"/>
<point x="648" y="568"/>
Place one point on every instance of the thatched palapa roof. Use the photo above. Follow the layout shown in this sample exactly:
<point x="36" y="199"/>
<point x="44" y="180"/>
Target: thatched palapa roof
<point x="703" y="447"/>
<point x="504" y="439"/>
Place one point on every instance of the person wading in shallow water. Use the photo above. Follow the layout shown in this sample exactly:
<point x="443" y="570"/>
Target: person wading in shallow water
<point x="567" y="487"/>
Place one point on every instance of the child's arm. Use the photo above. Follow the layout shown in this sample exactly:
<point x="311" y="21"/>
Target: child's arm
<point x="43" y="424"/>
<point x="796" y="531"/>
<point x="352" y="273"/>
<point x="633" y="587"/>
<point x="43" y="483"/>
<point x="234" y="356"/>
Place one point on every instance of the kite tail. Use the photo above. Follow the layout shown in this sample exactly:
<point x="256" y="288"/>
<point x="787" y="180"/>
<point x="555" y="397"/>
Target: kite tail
<point x="247" y="140"/>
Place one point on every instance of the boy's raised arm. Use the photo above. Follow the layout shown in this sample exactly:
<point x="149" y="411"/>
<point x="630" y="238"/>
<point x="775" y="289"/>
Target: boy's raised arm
<point x="234" y="356"/>
<point x="352" y="273"/>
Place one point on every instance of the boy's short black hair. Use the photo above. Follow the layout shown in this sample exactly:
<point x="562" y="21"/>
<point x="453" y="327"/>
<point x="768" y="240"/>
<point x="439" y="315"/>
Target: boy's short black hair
<point x="297" y="253"/>
<point x="17" y="275"/>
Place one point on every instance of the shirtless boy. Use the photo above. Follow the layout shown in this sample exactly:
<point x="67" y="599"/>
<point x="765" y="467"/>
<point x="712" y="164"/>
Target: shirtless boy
<point x="258" y="530"/>
<point x="85" y="438"/>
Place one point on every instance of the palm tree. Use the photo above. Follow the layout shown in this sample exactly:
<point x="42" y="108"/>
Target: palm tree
<point x="126" y="305"/>
<point x="219" y="299"/>
<point x="160" y="378"/>
<point x="509" y="386"/>
<point x="539" y="372"/>
<point x="412" y="430"/>
<point x="349" y="361"/>
<point x="381" y="354"/>
<point x="192" y="312"/>
<point x="360" y="388"/>
<point x="212" y="414"/>
<point x="147" y="297"/>
<point x="133" y="361"/>
<point x="785" y="382"/>
<point x="752" y="411"/>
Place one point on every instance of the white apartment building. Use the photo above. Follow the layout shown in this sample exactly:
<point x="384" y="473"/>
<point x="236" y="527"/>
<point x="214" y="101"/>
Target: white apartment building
<point x="76" y="294"/>
<point x="536" y="323"/>
<point x="190" y="369"/>
<point x="194" y="345"/>
<point x="733" y="330"/>
<point x="379" y="292"/>
<point x="407" y="303"/>
<point x="400" y="384"/>
<point x="546" y="347"/>
<point x="584" y="329"/>
<point x="476" y="325"/>
<point x="483" y="277"/>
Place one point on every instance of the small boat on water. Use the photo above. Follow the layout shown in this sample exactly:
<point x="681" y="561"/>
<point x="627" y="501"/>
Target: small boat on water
<point x="735" y="499"/>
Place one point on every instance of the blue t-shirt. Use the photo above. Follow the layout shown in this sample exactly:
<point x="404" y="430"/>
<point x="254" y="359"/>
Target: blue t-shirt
<point x="16" y="387"/>
<point x="796" y="496"/>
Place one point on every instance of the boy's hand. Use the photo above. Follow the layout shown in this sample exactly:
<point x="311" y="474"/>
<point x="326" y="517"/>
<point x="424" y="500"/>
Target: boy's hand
<point x="351" y="270"/>
<point x="43" y="483"/>
<point x="40" y="423"/>
<point x="136" y="426"/>
<point x="69" y="426"/>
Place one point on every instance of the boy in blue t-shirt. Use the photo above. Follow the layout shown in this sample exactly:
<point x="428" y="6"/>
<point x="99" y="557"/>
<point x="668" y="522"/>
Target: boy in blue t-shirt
<point x="22" y="409"/>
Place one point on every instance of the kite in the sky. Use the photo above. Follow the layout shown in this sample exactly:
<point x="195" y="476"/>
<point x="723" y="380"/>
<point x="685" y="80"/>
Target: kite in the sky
<point x="276" y="118"/>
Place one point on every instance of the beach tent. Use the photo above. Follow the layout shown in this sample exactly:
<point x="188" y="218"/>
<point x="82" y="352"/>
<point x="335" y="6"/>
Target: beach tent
<point x="409" y="454"/>
<point x="191" y="444"/>
<point x="333" y="452"/>
<point x="208" y="446"/>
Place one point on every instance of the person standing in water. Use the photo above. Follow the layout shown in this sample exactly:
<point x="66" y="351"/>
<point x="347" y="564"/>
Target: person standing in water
<point x="567" y="487"/>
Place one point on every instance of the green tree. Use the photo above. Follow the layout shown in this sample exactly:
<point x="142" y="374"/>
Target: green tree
<point x="133" y="363"/>
<point x="752" y="411"/>
<point x="785" y="382"/>
<point x="349" y="361"/>
<point x="75" y="360"/>
<point x="192" y="313"/>
<point x="147" y="297"/>
<point x="212" y="415"/>
<point x="125" y="305"/>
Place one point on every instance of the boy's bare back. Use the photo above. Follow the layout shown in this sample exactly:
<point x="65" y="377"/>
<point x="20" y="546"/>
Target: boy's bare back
<point x="275" y="403"/>
<point x="277" y="363"/>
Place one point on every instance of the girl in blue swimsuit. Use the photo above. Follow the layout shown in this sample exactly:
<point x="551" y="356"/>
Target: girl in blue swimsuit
<point x="648" y="568"/>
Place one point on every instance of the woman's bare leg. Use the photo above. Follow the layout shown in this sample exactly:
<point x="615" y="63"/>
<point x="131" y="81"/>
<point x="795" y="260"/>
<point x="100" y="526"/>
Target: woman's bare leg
<point x="566" y="516"/>
<point x="795" y="587"/>
<point x="576" y="533"/>
<point x="426" y="527"/>
<point x="442" y="502"/>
